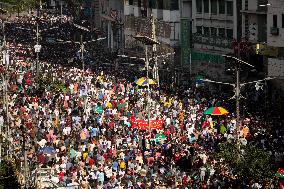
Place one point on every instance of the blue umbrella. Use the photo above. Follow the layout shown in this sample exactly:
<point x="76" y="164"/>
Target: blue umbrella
<point x="47" y="150"/>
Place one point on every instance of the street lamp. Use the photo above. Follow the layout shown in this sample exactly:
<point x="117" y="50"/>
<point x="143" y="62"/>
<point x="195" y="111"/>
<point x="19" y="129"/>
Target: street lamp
<point x="147" y="41"/>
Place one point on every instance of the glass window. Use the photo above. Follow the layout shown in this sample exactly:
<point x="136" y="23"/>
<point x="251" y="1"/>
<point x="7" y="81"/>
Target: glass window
<point x="167" y="4"/>
<point x="206" y="6"/>
<point x="153" y="4"/>
<point x="230" y="8"/>
<point x="221" y="6"/>
<point x="213" y="6"/>
<point x="159" y="4"/>
<point x="213" y="31"/>
<point x="230" y="33"/>
<point x="199" y="30"/>
<point x="199" y="6"/>
<point x="275" y="21"/>
<point x="174" y="5"/>
<point x="221" y="32"/>
<point x="206" y="31"/>
<point x="282" y="20"/>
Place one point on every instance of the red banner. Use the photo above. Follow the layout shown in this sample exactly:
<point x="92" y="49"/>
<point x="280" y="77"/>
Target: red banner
<point x="143" y="125"/>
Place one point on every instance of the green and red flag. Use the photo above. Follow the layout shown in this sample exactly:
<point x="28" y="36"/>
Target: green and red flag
<point x="121" y="105"/>
<point x="280" y="173"/>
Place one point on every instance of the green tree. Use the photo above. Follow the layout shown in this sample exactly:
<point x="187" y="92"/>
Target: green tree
<point x="8" y="178"/>
<point x="19" y="5"/>
<point x="252" y="163"/>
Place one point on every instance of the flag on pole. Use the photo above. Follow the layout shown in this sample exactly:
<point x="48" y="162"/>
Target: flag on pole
<point x="280" y="173"/>
<point x="121" y="106"/>
<point x="99" y="109"/>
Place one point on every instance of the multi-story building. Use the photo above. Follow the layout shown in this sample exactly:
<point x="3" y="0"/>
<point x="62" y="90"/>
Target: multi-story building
<point x="138" y="15"/>
<point x="254" y="23"/>
<point x="215" y="24"/>
<point x="275" y="40"/>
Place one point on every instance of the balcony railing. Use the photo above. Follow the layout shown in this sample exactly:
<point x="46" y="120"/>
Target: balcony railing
<point x="274" y="31"/>
<point x="216" y="41"/>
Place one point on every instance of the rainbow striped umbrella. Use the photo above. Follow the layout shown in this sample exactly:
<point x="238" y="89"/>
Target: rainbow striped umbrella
<point x="216" y="111"/>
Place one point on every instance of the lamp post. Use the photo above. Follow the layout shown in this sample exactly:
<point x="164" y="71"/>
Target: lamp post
<point x="37" y="48"/>
<point x="147" y="41"/>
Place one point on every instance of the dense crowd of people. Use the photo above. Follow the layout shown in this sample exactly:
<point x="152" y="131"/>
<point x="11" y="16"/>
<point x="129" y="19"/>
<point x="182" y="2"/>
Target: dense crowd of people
<point x="81" y="125"/>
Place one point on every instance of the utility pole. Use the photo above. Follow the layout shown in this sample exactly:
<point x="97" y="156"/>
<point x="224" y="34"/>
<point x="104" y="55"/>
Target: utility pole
<point x="82" y="52"/>
<point x="37" y="51"/>
<point x="237" y="87"/>
<point x="61" y="16"/>
<point x="148" y="87"/>
<point x="5" y="89"/>
<point x="147" y="41"/>
<point x="154" y="37"/>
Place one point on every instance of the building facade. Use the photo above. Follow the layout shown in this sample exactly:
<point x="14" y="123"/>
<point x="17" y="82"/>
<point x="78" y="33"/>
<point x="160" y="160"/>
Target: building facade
<point x="275" y="40"/>
<point x="254" y="22"/>
<point x="138" y="20"/>
<point x="215" y="25"/>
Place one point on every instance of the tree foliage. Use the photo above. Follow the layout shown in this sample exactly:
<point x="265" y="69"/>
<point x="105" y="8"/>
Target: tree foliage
<point x="252" y="163"/>
<point x="13" y="6"/>
<point x="52" y="84"/>
<point x="8" y="178"/>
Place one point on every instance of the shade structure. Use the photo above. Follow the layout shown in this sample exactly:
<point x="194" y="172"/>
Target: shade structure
<point x="143" y="81"/>
<point x="216" y="111"/>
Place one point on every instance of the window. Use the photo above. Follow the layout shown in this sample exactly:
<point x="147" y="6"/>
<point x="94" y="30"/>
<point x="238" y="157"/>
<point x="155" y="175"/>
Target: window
<point x="153" y="4"/>
<point x="275" y="21"/>
<point x="199" y="6"/>
<point x="159" y="4"/>
<point x="221" y="6"/>
<point x="230" y="33"/>
<point x="206" y="31"/>
<point x="213" y="6"/>
<point x="174" y="5"/>
<point x="282" y="20"/>
<point x="199" y="30"/>
<point x="221" y="32"/>
<point x="206" y="6"/>
<point x="230" y="8"/>
<point x="166" y="4"/>
<point x="139" y="3"/>
<point x="213" y="31"/>
<point x="130" y="2"/>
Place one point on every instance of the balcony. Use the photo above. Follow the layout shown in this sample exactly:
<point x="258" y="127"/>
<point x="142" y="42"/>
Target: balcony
<point x="215" y="41"/>
<point x="274" y="31"/>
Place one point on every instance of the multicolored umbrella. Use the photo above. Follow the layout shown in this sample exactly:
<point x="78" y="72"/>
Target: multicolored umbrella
<point x="216" y="111"/>
<point x="280" y="173"/>
<point x="143" y="81"/>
